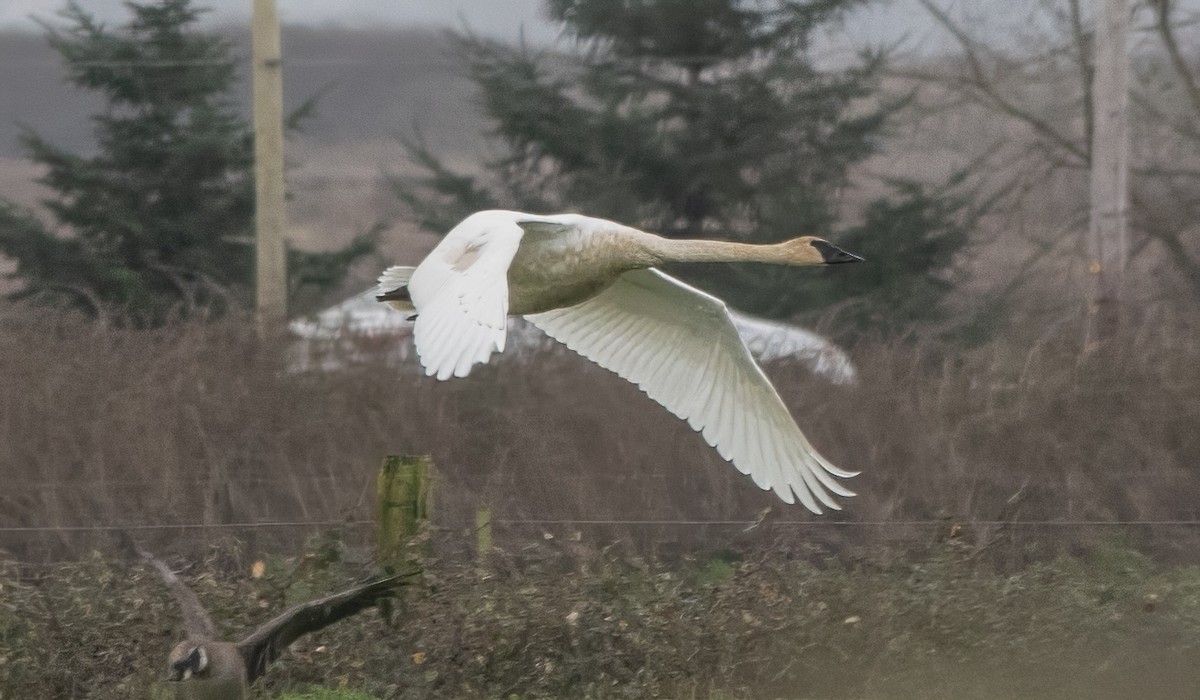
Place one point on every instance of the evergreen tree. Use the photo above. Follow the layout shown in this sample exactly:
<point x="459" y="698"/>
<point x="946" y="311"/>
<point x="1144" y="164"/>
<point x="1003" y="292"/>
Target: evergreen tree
<point x="704" y="118"/>
<point x="159" y="221"/>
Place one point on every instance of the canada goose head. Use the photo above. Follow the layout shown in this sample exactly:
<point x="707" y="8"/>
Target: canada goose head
<point x="187" y="659"/>
<point x="810" y="250"/>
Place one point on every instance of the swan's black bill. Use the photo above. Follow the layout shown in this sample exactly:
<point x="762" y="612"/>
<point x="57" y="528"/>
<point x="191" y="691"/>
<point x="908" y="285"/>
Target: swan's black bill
<point x="833" y="255"/>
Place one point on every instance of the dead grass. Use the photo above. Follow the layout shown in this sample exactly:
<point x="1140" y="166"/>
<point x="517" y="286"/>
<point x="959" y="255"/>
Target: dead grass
<point x="198" y="426"/>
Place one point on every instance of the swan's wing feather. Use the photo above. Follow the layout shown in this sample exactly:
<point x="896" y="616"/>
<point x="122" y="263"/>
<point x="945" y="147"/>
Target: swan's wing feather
<point x="679" y="345"/>
<point x="460" y="292"/>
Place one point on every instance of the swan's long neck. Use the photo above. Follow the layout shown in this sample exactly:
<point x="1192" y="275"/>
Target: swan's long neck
<point x="668" y="250"/>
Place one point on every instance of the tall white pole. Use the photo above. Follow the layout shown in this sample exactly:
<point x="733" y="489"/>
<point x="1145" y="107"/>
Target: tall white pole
<point x="270" y="254"/>
<point x="1108" y="246"/>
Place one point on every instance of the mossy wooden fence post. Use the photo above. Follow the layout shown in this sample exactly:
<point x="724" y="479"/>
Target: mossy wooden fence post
<point x="483" y="536"/>
<point x="405" y="497"/>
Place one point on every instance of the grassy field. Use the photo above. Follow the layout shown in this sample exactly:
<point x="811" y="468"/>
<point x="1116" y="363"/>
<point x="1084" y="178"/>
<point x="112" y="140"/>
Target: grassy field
<point x="760" y="624"/>
<point x="1025" y="527"/>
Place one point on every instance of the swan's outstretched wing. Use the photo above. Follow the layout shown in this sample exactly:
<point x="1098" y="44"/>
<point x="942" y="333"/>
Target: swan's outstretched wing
<point x="679" y="346"/>
<point x="460" y="292"/>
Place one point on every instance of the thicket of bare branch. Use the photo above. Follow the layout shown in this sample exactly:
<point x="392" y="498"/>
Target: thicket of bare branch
<point x="198" y="427"/>
<point x="1019" y="108"/>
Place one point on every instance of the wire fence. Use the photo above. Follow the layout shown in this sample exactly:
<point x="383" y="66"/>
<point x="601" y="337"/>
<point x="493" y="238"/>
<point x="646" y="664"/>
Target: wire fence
<point x="190" y="526"/>
<point x="263" y="524"/>
<point x="752" y="523"/>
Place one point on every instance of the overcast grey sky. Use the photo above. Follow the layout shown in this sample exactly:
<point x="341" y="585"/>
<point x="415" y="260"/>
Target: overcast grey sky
<point x="887" y="22"/>
<point x="884" y="23"/>
<point x="503" y="18"/>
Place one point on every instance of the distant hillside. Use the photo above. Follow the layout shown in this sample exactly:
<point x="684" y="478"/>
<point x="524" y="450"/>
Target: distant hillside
<point x="32" y="93"/>
<point x="378" y="82"/>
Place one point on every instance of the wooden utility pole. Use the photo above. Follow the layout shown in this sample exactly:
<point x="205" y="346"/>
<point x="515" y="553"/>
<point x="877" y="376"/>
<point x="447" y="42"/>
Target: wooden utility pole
<point x="1110" y="168"/>
<point x="270" y="256"/>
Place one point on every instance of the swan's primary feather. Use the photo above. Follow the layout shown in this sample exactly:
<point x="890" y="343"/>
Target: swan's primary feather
<point x="679" y="345"/>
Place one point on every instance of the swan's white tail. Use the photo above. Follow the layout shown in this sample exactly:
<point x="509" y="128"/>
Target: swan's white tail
<point x="392" y="279"/>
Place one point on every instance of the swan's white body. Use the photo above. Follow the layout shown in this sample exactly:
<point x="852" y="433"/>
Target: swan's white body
<point x="589" y="284"/>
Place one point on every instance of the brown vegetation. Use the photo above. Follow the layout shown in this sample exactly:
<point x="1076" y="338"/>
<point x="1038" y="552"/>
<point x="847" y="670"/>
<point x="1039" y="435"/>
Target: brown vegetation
<point x="763" y="625"/>
<point x="197" y="427"/>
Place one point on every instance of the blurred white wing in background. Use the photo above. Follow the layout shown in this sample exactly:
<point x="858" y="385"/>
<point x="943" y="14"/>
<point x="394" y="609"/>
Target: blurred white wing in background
<point x="361" y="329"/>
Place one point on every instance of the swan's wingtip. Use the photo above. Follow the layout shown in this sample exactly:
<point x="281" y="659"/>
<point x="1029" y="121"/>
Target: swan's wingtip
<point x="813" y="508"/>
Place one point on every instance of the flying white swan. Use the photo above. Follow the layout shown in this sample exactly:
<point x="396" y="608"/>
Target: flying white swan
<point x="591" y="285"/>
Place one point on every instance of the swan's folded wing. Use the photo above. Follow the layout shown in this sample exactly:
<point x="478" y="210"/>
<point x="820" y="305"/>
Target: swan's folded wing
<point x="679" y="345"/>
<point x="460" y="292"/>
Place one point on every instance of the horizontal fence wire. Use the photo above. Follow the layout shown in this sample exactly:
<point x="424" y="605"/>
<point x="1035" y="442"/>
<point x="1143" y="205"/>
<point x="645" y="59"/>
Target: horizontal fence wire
<point x="853" y="523"/>
<point x="170" y="481"/>
<point x="190" y="526"/>
<point x="643" y="523"/>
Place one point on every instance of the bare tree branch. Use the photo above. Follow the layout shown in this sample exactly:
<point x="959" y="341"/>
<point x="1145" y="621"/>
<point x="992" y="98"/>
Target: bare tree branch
<point x="86" y="295"/>
<point x="1162" y="11"/>
<point x="984" y="85"/>
<point x="1185" y="128"/>
<point x="1170" y="236"/>
<point x="981" y="80"/>
<point x="1082" y="54"/>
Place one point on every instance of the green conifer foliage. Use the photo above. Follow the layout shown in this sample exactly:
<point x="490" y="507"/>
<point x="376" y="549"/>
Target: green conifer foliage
<point x="705" y="118"/>
<point x="158" y="221"/>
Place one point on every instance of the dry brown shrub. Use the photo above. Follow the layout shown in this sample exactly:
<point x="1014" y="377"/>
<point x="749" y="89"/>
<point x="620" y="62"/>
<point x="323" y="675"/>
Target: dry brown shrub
<point x="198" y="426"/>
